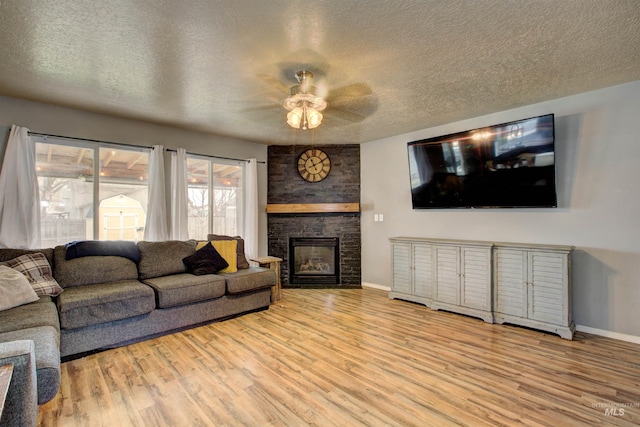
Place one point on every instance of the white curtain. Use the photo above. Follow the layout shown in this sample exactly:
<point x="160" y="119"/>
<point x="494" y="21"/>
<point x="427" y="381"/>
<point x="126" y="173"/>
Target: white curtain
<point x="156" y="226"/>
<point x="251" y="210"/>
<point x="179" y="196"/>
<point x="19" y="193"/>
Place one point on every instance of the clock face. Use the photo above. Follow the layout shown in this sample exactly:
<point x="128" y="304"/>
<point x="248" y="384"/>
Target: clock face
<point x="314" y="165"/>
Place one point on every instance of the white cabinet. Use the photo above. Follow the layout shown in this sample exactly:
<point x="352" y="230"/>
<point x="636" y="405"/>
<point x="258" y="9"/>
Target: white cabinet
<point x="412" y="270"/>
<point x="462" y="278"/>
<point x="526" y="285"/>
<point x="532" y="287"/>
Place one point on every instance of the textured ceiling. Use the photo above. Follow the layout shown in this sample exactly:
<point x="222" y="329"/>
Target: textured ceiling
<point x="220" y="66"/>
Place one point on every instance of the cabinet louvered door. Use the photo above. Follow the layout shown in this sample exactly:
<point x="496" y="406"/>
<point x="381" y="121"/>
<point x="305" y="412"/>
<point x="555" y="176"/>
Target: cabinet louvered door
<point x="547" y="287"/>
<point x="511" y="282"/>
<point x="533" y="288"/>
<point x="476" y="277"/>
<point x="412" y="270"/>
<point x="447" y="276"/>
<point x="423" y="270"/>
<point x="401" y="268"/>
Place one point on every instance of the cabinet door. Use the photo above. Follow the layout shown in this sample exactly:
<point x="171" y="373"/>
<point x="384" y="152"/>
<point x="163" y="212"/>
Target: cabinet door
<point x="547" y="287"/>
<point x="476" y="277"/>
<point x="401" y="280"/>
<point x="447" y="276"/>
<point x="423" y="270"/>
<point x="511" y="282"/>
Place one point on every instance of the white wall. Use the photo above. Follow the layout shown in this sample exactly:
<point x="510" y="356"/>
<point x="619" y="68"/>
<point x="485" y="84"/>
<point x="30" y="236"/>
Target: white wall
<point x="598" y="173"/>
<point x="81" y="124"/>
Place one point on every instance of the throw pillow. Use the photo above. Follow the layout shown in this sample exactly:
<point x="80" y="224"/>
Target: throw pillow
<point x="15" y="289"/>
<point x="241" y="259"/>
<point x="205" y="260"/>
<point x="226" y="248"/>
<point x="37" y="270"/>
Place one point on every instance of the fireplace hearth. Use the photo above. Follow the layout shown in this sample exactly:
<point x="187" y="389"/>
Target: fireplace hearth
<point x="314" y="260"/>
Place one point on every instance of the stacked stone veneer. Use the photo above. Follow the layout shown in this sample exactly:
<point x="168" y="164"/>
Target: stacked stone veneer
<point x="342" y="185"/>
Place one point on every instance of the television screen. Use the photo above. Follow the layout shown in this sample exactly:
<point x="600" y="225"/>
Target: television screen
<point x="509" y="165"/>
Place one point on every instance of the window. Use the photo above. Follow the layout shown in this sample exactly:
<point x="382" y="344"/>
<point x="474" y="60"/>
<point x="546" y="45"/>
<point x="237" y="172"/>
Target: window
<point x="91" y="192"/>
<point x="215" y="196"/>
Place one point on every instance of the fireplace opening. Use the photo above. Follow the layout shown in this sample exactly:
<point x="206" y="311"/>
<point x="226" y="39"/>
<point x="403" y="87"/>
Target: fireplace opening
<point x="314" y="261"/>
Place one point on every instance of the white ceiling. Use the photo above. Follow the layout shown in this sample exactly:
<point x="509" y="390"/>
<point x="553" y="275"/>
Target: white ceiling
<point x="213" y="65"/>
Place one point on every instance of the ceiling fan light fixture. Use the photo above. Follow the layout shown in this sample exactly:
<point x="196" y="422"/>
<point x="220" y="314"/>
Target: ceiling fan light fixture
<point x="294" y="117"/>
<point x="314" y="118"/>
<point x="304" y="104"/>
<point x="304" y="118"/>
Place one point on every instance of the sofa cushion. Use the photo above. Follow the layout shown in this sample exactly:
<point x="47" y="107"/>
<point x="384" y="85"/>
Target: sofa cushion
<point x="206" y="260"/>
<point x="241" y="259"/>
<point x="81" y="306"/>
<point x="91" y="270"/>
<point x="46" y="340"/>
<point x="42" y="312"/>
<point x="21" y="404"/>
<point x="180" y="289"/>
<point x="249" y="279"/>
<point x="15" y="289"/>
<point x="36" y="268"/>
<point x="163" y="258"/>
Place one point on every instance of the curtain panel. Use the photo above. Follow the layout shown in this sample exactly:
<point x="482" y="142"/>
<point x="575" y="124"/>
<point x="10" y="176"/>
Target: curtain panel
<point x="251" y="209"/>
<point x="179" y="196"/>
<point x="156" y="228"/>
<point x="19" y="193"/>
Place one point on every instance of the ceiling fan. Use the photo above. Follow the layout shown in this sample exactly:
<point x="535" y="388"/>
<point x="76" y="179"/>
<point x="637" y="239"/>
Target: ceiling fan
<point x="304" y="103"/>
<point x="307" y="106"/>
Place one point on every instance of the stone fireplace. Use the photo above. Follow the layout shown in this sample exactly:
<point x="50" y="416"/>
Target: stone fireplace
<point x="319" y="249"/>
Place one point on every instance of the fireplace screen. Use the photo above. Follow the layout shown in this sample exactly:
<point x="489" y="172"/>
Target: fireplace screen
<point x="314" y="260"/>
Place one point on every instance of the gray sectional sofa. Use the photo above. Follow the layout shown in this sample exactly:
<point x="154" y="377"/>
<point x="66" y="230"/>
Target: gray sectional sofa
<point x="111" y="300"/>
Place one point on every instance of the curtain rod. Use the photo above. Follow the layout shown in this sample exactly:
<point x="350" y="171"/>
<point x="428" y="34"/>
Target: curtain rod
<point x="133" y="146"/>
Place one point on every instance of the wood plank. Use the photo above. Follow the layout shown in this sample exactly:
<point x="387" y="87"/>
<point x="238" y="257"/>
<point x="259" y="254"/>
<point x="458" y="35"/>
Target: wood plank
<point x="313" y="207"/>
<point x="352" y="357"/>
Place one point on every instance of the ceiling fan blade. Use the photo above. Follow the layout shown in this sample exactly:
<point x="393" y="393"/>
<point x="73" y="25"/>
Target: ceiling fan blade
<point x="350" y="91"/>
<point x="343" y="115"/>
<point x="260" y="108"/>
<point x="365" y="105"/>
<point x="274" y="83"/>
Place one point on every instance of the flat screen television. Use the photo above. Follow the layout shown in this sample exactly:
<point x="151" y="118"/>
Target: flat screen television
<point x="510" y="165"/>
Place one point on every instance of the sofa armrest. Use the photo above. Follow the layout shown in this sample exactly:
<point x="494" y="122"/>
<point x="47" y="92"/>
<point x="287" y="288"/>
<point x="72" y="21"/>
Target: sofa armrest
<point x="21" y="405"/>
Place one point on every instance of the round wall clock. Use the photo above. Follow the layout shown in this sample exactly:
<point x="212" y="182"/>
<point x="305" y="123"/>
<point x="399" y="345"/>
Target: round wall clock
<point x="314" y="165"/>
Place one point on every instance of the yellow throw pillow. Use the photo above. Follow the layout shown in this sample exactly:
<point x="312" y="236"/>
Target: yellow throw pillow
<point x="226" y="249"/>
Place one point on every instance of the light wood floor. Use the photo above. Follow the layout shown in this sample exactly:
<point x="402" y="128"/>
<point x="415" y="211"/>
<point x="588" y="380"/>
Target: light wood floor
<point x="352" y="358"/>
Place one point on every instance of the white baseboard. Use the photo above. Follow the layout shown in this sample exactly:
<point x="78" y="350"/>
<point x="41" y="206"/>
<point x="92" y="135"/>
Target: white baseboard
<point x="579" y="328"/>
<point x="608" y="334"/>
<point x="374" y="286"/>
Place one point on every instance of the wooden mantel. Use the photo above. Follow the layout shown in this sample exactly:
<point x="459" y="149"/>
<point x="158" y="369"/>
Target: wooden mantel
<point x="313" y="207"/>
